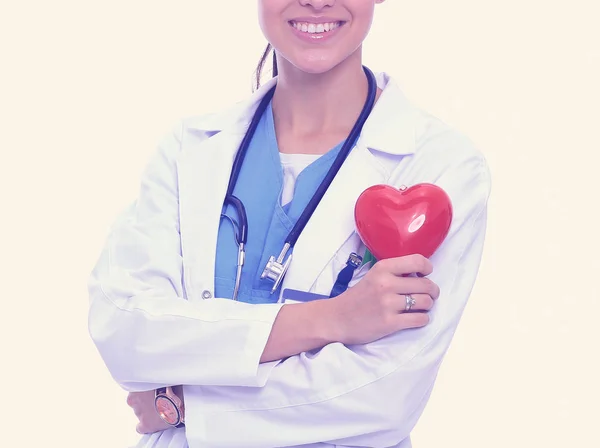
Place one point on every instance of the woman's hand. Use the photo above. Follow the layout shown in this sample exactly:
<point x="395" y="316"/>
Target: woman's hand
<point x="368" y="311"/>
<point x="142" y="404"/>
<point x="376" y="306"/>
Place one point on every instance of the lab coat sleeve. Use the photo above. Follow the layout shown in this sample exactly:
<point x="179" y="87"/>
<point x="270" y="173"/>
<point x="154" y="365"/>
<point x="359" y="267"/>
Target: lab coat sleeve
<point x="366" y="395"/>
<point x="147" y="331"/>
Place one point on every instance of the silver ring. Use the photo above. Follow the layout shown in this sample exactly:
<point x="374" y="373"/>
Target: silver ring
<point x="410" y="302"/>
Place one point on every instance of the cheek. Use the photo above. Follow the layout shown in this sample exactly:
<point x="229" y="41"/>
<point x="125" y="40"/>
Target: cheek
<point x="362" y="12"/>
<point x="364" y="18"/>
<point x="269" y="11"/>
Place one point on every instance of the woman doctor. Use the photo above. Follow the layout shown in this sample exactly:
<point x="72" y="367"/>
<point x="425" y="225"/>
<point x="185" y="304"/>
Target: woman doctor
<point x="352" y="370"/>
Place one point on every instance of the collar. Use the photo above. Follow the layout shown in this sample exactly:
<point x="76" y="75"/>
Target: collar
<point x="390" y="127"/>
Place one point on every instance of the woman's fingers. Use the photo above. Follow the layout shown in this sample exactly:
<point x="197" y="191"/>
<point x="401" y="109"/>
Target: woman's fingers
<point x="411" y="320"/>
<point x="410" y="264"/>
<point x="378" y="306"/>
<point x="415" y="285"/>
<point x="422" y="302"/>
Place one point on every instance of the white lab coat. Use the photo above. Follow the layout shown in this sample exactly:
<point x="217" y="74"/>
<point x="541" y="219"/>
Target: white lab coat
<point x="154" y="321"/>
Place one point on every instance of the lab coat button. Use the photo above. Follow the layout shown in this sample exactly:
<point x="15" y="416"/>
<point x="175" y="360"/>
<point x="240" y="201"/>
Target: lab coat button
<point x="206" y="294"/>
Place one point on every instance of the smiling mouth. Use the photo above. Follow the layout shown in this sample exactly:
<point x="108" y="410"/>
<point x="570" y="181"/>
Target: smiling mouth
<point x="315" y="28"/>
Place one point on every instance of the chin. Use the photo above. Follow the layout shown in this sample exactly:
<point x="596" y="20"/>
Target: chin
<point x="315" y="69"/>
<point x="315" y="64"/>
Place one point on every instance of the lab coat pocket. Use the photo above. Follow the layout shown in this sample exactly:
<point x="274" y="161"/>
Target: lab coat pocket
<point x="327" y="279"/>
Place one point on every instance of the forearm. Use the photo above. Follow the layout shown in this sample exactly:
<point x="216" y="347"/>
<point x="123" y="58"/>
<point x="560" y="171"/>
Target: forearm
<point x="340" y="397"/>
<point x="151" y="338"/>
<point x="302" y="327"/>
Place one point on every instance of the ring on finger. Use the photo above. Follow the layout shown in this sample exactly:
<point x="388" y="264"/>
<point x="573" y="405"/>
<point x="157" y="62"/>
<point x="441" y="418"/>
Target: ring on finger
<point x="410" y="302"/>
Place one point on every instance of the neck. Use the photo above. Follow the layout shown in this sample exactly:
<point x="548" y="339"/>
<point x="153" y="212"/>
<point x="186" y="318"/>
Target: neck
<point x="307" y="104"/>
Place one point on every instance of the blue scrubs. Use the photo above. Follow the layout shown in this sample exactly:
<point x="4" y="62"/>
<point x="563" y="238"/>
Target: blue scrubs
<point x="259" y="187"/>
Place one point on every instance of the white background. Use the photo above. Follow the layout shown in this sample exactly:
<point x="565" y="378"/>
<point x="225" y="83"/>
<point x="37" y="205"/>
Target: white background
<point x="88" y="88"/>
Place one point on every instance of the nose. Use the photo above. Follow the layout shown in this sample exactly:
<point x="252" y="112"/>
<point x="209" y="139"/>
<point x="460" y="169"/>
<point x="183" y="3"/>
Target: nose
<point x="317" y="4"/>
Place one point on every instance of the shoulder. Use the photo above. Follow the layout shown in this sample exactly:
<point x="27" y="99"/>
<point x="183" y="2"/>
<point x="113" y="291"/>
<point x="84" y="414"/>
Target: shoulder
<point x="415" y="138"/>
<point x="442" y="151"/>
<point x="232" y="119"/>
<point x="187" y="133"/>
<point x="426" y="149"/>
<point x="447" y="157"/>
<point x="445" y="148"/>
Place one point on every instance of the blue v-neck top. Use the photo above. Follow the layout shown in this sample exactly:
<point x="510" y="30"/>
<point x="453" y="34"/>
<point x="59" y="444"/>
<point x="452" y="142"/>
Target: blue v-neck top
<point x="259" y="187"/>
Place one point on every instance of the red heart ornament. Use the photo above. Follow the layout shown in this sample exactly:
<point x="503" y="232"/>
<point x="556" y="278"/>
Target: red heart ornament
<point x="397" y="222"/>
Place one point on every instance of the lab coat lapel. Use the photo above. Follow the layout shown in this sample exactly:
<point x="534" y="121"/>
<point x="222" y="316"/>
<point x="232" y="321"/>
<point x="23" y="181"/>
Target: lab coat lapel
<point x="389" y="130"/>
<point x="333" y="221"/>
<point x="204" y="171"/>
<point x="204" y="174"/>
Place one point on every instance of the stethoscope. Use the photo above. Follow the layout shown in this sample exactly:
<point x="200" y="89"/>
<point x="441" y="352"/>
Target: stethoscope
<point x="276" y="268"/>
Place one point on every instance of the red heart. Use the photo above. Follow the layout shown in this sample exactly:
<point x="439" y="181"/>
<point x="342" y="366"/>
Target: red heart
<point x="394" y="223"/>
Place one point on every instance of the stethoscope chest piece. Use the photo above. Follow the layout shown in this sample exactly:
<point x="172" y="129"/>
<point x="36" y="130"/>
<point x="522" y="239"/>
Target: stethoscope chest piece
<point x="276" y="269"/>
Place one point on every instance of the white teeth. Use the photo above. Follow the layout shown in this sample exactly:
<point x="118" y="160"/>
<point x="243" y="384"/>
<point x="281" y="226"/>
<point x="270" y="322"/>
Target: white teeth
<point x="313" y="28"/>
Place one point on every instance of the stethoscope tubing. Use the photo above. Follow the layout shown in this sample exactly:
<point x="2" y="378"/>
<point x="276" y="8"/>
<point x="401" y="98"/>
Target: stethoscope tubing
<point x="337" y="163"/>
<point x="294" y="234"/>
